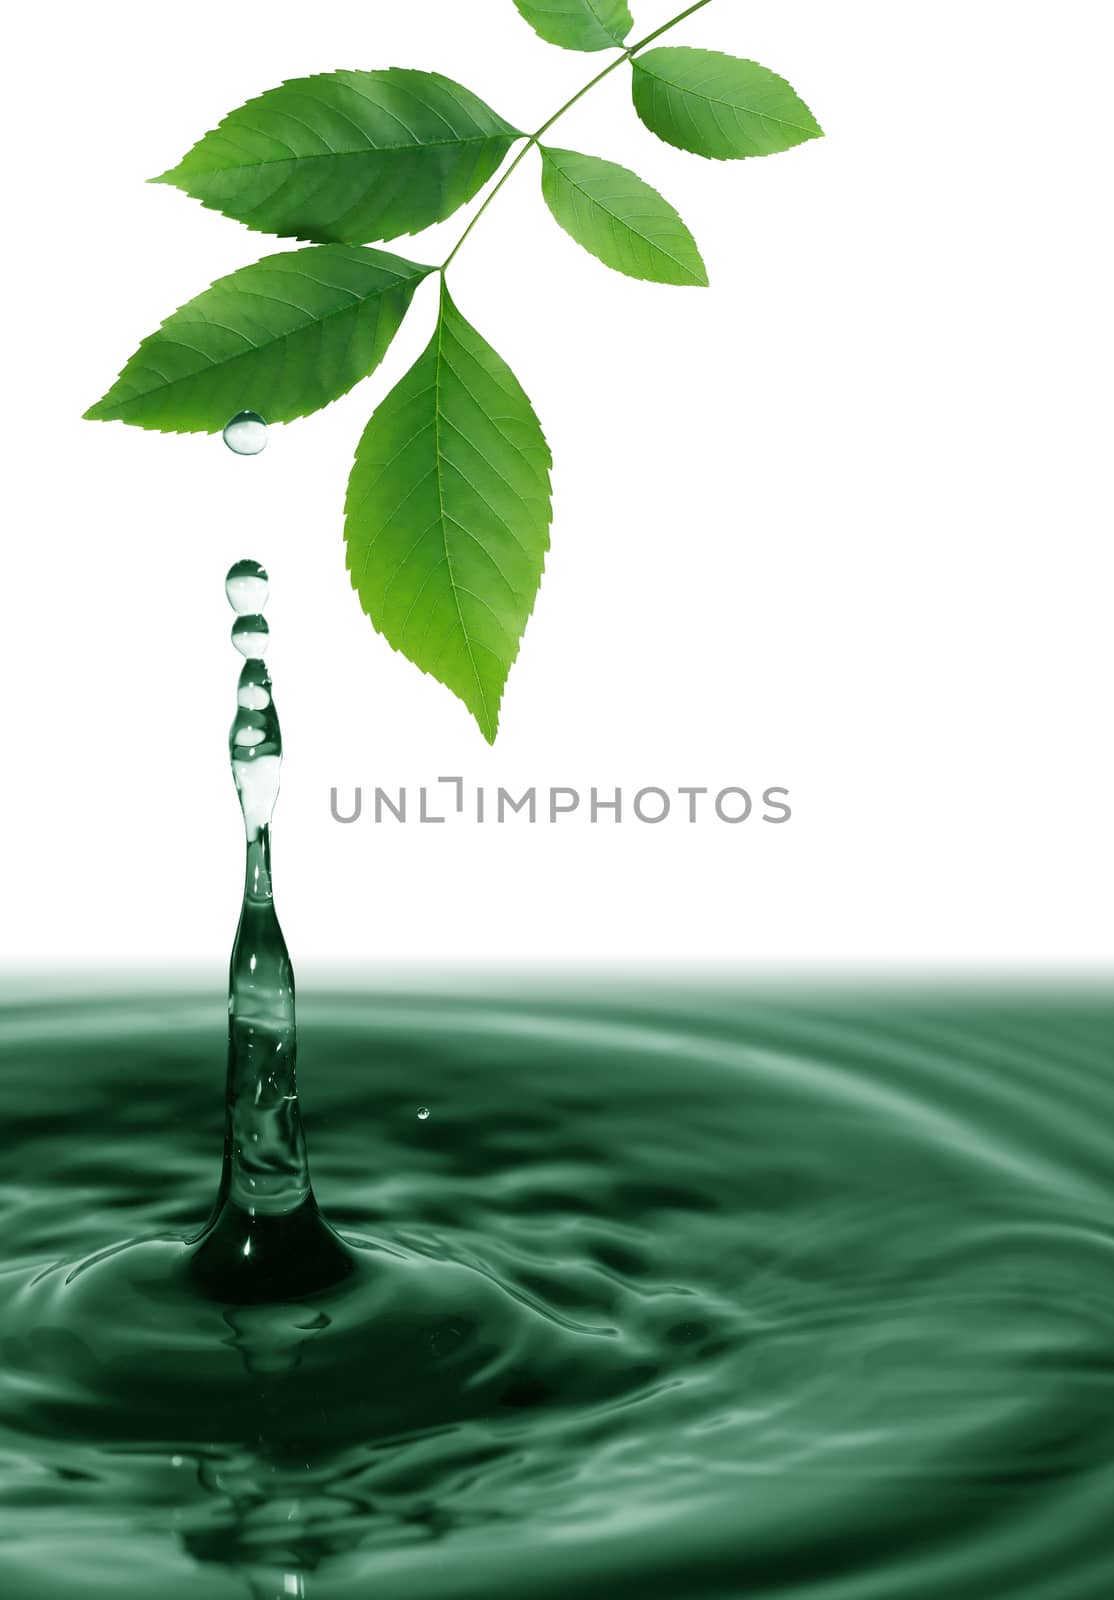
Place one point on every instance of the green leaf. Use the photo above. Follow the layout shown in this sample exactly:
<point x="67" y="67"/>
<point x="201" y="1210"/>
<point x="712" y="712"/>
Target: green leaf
<point x="283" y="337"/>
<point x="448" y="513"/>
<point x="719" y="106"/>
<point x="620" y="219"/>
<point x="579" y="24"/>
<point x="348" y="157"/>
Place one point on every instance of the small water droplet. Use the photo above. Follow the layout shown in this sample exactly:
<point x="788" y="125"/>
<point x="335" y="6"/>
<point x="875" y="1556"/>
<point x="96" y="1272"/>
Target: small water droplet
<point x="247" y="587"/>
<point x="250" y="636"/>
<point x="246" y="434"/>
<point x="423" y="1113"/>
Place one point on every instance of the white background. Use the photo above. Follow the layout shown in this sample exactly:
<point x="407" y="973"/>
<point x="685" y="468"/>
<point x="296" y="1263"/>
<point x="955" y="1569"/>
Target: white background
<point x="840" y="523"/>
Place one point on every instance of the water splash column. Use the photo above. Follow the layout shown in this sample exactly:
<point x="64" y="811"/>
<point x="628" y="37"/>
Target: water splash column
<point x="266" y="1170"/>
<point x="266" y="1240"/>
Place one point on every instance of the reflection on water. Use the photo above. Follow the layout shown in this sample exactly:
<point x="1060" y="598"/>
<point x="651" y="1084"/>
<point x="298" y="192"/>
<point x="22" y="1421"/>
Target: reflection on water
<point x="693" y="1295"/>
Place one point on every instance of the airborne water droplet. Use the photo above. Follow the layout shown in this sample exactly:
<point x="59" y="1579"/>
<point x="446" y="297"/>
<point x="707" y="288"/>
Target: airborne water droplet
<point x="247" y="587"/>
<point x="423" y="1113"/>
<point x="246" y="434"/>
<point x="250" y="636"/>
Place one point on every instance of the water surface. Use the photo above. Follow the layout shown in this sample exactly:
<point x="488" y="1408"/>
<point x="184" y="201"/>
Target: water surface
<point x="702" y="1293"/>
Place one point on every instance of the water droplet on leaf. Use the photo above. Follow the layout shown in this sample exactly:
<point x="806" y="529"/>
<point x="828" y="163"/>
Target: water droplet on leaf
<point x="247" y="587"/>
<point x="246" y="434"/>
<point x="423" y="1113"/>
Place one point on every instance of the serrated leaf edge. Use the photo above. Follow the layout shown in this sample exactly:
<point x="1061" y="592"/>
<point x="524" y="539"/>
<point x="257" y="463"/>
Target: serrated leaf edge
<point x="815" y="132"/>
<point x="171" y="180"/>
<point x="491" y="730"/>
<point x="95" y="413"/>
<point x="548" y="151"/>
<point x="618" y="40"/>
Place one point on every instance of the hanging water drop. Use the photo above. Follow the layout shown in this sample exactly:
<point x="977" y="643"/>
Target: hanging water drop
<point x="250" y="636"/>
<point x="247" y="587"/>
<point x="246" y="434"/>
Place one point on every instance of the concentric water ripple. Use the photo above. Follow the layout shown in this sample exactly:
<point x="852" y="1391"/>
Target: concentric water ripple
<point x="697" y="1294"/>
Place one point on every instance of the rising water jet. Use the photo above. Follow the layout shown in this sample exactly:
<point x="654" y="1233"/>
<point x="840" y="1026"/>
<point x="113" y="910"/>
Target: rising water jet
<point x="266" y="1240"/>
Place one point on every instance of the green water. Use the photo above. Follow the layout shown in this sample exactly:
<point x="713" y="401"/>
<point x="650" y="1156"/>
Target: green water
<point x="674" y="1293"/>
<point x="652" y="1293"/>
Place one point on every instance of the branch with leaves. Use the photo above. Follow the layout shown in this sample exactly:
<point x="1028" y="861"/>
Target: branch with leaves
<point x="449" y="503"/>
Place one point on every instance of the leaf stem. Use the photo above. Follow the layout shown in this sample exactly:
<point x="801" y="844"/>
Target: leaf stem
<point x="665" y="27"/>
<point x="535" y="138"/>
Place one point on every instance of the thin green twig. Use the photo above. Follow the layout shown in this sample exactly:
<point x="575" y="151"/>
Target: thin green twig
<point x="535" y="138"/>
